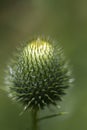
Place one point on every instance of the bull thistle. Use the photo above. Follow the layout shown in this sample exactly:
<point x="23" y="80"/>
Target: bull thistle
<point x="38" y="75"/>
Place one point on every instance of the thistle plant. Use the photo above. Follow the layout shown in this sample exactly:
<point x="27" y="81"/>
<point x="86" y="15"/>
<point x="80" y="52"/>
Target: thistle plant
<point x="38" y="75"/>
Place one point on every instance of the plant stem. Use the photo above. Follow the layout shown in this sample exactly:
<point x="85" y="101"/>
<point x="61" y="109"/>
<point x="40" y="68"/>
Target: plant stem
<point x="51" y="116"/>
<point x="34" y="120"/>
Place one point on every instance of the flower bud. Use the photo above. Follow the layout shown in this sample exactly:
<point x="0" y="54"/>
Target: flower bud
<point x="38" y="75"/>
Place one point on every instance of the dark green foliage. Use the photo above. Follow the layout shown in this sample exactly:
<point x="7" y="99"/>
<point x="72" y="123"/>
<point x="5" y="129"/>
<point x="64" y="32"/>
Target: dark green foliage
<point x="38" y="75"/>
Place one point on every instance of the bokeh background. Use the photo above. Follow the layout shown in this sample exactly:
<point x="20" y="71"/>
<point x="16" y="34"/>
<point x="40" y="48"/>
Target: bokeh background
<point x="64" y="21"/>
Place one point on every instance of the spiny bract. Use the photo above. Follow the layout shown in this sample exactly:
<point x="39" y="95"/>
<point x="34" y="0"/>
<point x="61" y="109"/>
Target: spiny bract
<point x="38" y="75"/>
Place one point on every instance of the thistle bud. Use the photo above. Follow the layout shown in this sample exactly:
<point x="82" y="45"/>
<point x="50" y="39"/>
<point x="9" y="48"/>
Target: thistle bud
<point x="38" y="75"/>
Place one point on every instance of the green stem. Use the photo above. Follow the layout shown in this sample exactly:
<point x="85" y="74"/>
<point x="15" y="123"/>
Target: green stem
<point x="34" y="120"/>
<point x="51" y="116"/>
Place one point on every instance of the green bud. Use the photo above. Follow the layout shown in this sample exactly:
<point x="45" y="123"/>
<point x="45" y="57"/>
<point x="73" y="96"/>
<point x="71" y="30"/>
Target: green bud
<point x="38" y="75"/>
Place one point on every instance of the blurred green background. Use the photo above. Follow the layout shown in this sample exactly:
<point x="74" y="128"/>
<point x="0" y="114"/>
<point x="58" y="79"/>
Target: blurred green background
<point x="63" y="20"/>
